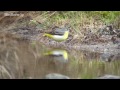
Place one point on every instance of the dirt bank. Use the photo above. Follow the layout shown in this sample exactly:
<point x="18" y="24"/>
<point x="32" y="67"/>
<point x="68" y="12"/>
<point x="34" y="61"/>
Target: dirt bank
<point x="104" y="41"/>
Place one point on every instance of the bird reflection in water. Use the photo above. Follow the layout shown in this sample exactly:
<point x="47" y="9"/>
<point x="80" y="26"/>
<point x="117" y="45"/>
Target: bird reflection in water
<point x="58" y="55"/>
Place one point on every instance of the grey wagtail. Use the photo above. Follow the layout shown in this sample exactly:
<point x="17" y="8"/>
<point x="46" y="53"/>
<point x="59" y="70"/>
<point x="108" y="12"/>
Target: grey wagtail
<point x="59" y="35"/>
<point x="60" y="55"/>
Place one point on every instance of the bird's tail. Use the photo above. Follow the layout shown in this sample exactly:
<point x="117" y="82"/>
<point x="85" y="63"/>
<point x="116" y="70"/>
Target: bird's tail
<point x="48" y="35"/>
<point x="48" y="53"/>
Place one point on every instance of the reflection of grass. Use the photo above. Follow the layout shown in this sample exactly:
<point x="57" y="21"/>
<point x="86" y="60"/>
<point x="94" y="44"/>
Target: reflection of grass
<point x="92" y="69"/>
<point x="17" y="57"/>
<point x="88" y="69"/>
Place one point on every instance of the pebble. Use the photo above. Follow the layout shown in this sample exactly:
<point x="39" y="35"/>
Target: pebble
<point x="56" y="76"/>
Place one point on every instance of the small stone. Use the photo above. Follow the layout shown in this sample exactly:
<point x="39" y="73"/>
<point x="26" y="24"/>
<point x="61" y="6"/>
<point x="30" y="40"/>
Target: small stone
<point x="56" y="76"/>
<point x="118" y="47"/>
<point x="109" y="77"/>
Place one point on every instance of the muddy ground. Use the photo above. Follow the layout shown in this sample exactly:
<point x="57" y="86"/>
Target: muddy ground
<point x="102" y="42"/>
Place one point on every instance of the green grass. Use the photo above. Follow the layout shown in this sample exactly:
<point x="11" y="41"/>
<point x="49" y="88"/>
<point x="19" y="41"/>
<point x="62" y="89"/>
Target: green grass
<point x="78" y="20"/>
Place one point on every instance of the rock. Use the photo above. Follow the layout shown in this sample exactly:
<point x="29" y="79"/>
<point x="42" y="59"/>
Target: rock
<point x="106" y="57"/>
<point x="117" y="30"/>
<point x="118" y="35"/>
<point x="107" y="30"/>
<point x="115" y="40"/>
<point x="56" y="76"/>
<point x="118" y="47"/>
<point x="109" y="77"/>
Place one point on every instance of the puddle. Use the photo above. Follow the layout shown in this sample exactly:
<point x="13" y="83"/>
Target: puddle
<point x="35" y="61"/>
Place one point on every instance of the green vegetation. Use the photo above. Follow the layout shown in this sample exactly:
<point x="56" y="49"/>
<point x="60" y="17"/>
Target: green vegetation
<point x="78" y="21"/>
<point x="76" y="18"/>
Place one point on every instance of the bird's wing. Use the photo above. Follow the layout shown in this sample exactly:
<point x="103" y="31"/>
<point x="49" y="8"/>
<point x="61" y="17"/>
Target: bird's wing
<point x="60" y="31"/>
<point x="56" y="33"/>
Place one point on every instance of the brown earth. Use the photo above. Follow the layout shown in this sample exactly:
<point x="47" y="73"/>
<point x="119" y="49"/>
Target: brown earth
<point x="90" y="41"/>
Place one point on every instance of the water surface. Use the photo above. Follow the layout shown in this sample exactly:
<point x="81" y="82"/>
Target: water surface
<point x="36" y="61"/>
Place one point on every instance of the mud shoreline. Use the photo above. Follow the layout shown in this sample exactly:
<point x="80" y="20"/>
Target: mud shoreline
<point x="32" y="34"/>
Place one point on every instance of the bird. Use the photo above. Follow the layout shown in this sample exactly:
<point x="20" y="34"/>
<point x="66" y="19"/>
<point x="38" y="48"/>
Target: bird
<point x="59" y="34"/>
<point x="58" y="54"/>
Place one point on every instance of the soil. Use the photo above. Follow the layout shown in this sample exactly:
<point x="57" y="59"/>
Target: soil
<point x="94" y="42"/>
